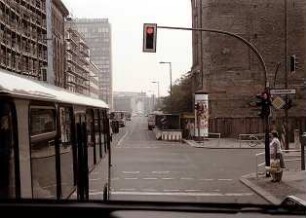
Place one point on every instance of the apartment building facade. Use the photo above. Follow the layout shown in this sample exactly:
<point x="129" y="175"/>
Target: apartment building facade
<point x="23" y="48"/>
<point x="93" y="80"/>
<point x="56" y="15"/>
<point x="97" y="34"/>
<point x="77" y="73"/>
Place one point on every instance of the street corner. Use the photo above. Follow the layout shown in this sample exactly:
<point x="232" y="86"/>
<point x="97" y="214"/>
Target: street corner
<point x="193" y="143"/>
<point x="189" y="142"/>
<point x="253" y="182"/>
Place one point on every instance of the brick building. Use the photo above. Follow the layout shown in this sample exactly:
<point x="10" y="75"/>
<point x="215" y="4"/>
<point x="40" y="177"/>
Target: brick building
<point x="230" y="71"/>
<point x="23" y="48"/>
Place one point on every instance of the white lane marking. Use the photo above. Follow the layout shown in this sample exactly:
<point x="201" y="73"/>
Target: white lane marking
<point x="130" y="172"/>
<point x="188" y="194"/>
<point x="149" y="178"/>
<point x="206" y="179"/>
<point x="115" y="178"/>
<point x="130" y="178"/>
<point x="149" y="190"/>
<point x="95" y="193"/>
<point x="160" y="172"/>
<point x="225" y="179"/>
<point x="192" y="190"/>
<point x="186" y="178"/>
<point x="239" y="194"/>
<point x="93" y="190"/>
<point x="171" y="190"/>
<point x="119" y="142"/>
<point x="167" y="178"/>
<point x="127" y="189"/>
<point x="94" y="179"/>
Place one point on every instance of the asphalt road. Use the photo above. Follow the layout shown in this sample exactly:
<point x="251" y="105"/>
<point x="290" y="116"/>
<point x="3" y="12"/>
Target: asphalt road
<point x="144" y="168"/>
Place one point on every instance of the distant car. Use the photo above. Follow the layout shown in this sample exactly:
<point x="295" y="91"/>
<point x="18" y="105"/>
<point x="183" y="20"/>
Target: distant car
<point x="151" y="121"/>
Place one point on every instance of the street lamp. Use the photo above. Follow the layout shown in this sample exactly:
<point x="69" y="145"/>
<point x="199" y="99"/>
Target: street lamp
<point x="170" y="72"/>
<point x="157" y="82"/>
<point x="151" y="101"/>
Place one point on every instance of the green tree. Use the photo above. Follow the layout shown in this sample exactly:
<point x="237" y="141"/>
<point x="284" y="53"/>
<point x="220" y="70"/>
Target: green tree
<point x="181" y="98"/>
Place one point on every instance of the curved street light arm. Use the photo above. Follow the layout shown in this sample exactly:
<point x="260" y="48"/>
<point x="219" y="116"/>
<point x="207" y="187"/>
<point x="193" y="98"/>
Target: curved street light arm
<point x="250" y="45"/>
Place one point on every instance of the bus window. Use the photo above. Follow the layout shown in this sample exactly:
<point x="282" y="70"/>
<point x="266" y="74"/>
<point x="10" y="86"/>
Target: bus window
<point x="90" y="138"/>
<point x="7" y="165"/>
<point x="42" y="121"/>
<point x="66" y="151"/>
<point x="43" y="132"/>
<point x="97" y="134"/>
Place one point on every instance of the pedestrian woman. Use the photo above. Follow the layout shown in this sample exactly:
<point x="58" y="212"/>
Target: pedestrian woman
<point x="276" y="158"/>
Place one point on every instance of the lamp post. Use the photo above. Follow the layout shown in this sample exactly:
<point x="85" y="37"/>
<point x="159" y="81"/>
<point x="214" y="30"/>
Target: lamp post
<point x="157" y="82"/>
<point x="170" y="72"/>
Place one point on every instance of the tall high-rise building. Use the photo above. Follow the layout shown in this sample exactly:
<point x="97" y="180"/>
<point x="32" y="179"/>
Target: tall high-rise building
<point x="97" y="34"/>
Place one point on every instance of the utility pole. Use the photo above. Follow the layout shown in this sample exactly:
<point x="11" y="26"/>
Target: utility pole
<point x="170" y="72"/>
<point x="286" y="75"/>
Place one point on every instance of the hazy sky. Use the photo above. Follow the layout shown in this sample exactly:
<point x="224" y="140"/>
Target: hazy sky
<point x="134" y="70"/>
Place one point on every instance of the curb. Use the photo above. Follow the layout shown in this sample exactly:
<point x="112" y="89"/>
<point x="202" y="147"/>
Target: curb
<point x="193" y="144"/>
<point x="264" y="194"/>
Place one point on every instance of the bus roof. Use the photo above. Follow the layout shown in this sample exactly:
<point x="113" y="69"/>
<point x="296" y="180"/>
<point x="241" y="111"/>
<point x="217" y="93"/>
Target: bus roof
<point x="15" y="85"/>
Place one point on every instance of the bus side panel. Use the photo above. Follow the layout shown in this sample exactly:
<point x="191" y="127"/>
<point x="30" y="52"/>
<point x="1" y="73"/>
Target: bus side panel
<point x="22" y="111"/>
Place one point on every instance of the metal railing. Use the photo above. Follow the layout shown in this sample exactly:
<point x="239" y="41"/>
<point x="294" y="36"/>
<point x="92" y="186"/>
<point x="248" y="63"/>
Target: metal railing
<point x="252" y="139"/>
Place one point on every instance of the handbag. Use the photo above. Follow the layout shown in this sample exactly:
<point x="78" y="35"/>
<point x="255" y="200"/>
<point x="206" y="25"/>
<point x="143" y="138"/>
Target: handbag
<point x="275" y="166"/>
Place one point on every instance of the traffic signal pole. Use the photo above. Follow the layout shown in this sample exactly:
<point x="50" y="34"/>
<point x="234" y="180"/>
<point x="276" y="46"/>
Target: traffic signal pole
<point x="263" y="65"/>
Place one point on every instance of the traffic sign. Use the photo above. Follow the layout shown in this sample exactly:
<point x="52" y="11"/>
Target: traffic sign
<point x="278" y="102"/>
<point x="282" y="91"/>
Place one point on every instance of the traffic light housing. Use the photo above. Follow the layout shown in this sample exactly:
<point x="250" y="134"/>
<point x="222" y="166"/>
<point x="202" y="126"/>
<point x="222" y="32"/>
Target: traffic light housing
<point x="288" y="104"/>
<point x="149" y="37"/>
<point x="196" y="106"/>
<point x="262" y="104"/>
<point x="293" y="63"/>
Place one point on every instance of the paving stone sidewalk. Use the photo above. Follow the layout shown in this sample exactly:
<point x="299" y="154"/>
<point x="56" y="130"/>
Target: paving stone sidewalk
<point x="293" y="184"/>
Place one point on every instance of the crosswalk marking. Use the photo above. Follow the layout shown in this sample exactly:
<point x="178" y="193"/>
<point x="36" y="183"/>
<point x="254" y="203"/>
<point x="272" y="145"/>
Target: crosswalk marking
<point x="163" y="178"/>
<point x="184" y="194"/>
<point x="130" y="172"/>
<point x="160" y="172"/>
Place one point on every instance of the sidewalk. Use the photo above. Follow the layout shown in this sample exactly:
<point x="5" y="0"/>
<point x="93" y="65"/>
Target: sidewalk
<point x="293" y="183"/>
<point x="222" y="143"/>
<point x="225" y="143"/>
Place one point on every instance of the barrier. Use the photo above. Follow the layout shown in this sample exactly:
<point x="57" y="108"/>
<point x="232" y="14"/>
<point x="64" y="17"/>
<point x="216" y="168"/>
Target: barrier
<point x="168" y="134"/>
<point x="172" y="135"/>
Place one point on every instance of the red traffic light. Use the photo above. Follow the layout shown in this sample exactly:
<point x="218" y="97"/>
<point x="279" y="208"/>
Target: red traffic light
<point x="149" y="37"/>
<point x="150" y="30"/>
